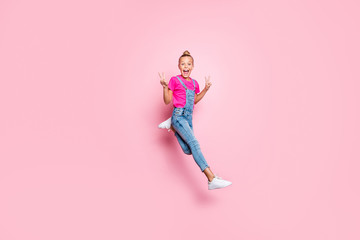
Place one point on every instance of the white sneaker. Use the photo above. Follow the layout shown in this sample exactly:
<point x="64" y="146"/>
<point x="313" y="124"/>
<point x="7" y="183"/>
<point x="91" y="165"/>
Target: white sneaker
<point x="218" y="182"/>
<point x="166" y="124"/>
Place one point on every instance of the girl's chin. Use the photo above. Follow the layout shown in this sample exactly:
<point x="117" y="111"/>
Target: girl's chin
<point x="185" y="74"/>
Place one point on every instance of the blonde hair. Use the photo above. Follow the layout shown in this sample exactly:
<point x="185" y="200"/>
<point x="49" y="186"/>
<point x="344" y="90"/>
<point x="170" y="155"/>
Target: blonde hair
<point x="186" y="53"/>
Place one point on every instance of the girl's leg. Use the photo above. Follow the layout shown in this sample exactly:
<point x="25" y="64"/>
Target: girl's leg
<point x="184" y="130"/>
<point x="172" y="129"/>
<point x="209" y="174"/>
<point x="183" y="144"/>
<point x="186" y="149"/>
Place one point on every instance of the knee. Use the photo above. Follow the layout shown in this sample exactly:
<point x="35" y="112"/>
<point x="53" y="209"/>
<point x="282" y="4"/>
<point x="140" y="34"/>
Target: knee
<point x="187" y="151"/>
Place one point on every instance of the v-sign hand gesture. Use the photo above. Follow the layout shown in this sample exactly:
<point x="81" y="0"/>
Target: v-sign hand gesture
<point x="162" y="80"/>
<point x="207" y="83"/>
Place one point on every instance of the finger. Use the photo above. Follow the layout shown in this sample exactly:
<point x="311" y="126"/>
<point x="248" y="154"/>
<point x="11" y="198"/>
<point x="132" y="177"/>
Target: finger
<point x="159" y="75"/>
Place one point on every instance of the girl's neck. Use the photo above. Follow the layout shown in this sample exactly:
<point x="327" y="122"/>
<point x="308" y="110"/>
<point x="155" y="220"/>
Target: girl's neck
<point x="187" y="79"/>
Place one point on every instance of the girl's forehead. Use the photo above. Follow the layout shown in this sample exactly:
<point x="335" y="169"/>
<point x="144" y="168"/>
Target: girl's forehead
<point x="186" y="59"/>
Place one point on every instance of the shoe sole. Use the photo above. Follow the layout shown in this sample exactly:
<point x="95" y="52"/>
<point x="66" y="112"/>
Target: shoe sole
<point x="219" y="187"/>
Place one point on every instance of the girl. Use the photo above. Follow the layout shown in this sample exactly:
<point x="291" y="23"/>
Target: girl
<point x="184" y="92"/>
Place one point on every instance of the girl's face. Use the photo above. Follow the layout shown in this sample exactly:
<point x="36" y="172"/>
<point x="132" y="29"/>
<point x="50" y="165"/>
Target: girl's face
<point x="186" y="66"/>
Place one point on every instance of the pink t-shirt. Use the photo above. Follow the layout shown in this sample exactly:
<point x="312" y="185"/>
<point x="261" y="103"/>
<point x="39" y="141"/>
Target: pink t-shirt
<point x="179" y="92"/>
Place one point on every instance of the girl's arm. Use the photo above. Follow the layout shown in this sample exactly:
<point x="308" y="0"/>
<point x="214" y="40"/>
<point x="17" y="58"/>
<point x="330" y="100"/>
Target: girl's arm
<point x="167" y="95"/>
<point x="199" y="96"/>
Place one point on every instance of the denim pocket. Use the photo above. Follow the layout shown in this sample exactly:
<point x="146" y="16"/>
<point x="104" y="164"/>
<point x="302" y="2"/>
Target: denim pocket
<point x="175" y="118"/>
<point x="178" y="112"/>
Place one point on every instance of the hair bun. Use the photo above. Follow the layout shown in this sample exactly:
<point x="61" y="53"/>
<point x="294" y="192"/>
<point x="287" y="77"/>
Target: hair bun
<point x="186" y="52"/>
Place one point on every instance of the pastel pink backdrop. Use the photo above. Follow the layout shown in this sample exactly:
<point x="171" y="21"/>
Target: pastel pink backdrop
<point x="81" y="155"/>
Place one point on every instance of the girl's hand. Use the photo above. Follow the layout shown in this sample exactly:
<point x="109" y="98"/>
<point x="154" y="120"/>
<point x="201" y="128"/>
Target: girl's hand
<point x="207" y="83"/>
<point x="163" y="82"/>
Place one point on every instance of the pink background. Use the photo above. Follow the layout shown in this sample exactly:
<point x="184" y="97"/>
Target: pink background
<point x="80" y="101"/>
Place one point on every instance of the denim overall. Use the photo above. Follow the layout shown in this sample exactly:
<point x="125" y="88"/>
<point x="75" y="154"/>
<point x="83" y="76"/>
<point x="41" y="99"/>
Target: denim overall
<point x="181" y="121"/>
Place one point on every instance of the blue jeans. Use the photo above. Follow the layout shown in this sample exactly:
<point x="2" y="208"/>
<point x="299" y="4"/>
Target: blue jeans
<point x="182" y="122"/>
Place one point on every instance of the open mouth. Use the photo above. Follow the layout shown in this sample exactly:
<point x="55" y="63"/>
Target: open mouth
<point x="186" y="71"/>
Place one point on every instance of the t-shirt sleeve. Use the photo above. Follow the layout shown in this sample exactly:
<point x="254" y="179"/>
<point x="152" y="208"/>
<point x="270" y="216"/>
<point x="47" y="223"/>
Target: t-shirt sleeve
<point x="197" y="88"/>
<point x="171" y="84"/>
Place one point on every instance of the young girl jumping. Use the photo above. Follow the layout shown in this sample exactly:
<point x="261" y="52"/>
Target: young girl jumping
<point x="183" y="91"/>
